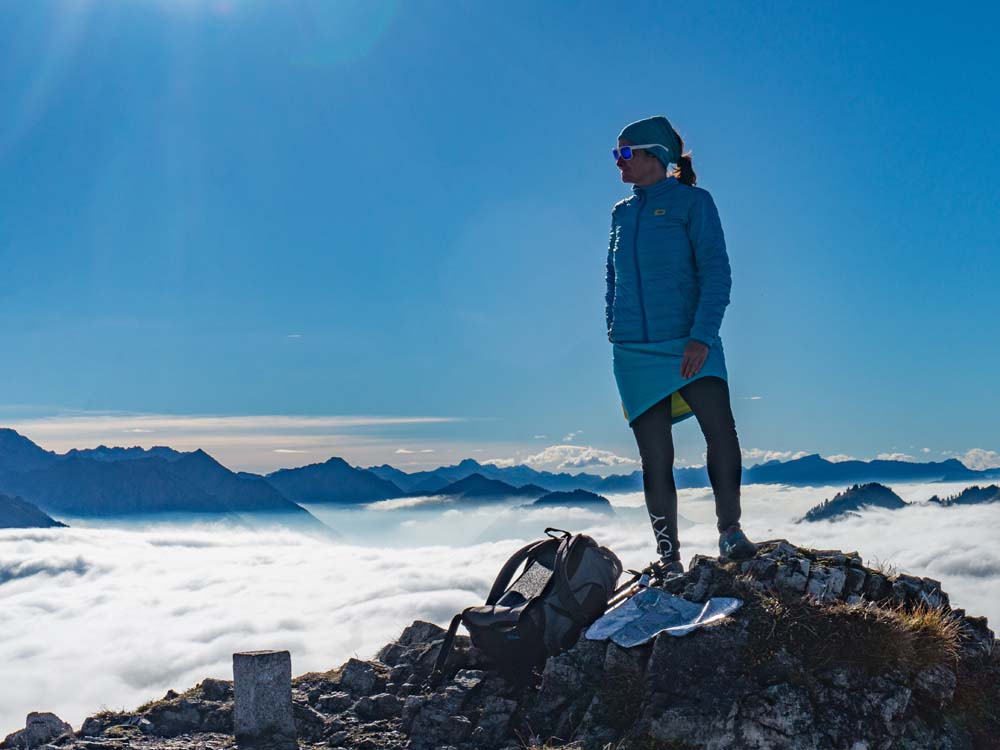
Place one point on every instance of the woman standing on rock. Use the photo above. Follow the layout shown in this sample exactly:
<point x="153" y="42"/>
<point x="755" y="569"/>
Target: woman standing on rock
<point x="668" y="280"/>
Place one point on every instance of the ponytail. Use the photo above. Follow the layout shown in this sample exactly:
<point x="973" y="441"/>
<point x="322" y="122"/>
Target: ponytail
<point x="684" y="170"/>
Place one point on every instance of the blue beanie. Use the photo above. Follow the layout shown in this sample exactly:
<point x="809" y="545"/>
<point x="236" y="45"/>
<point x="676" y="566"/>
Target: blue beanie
<point x="655" y="130"/>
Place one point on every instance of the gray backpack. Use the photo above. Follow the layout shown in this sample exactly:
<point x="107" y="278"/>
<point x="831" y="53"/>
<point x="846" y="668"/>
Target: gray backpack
<point x="564" y="586"/>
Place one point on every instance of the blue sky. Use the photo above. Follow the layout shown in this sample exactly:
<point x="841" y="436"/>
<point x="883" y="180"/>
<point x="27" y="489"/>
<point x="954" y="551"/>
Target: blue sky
<point x="347" y="228"/>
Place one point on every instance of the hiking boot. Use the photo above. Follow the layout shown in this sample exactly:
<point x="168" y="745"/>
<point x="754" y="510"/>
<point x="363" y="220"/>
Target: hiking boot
<point x="733" y="543"/>
<point x="665" y="569"/>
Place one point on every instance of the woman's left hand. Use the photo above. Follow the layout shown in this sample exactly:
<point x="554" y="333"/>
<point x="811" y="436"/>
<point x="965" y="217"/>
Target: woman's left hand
<point x="695" y="354"/>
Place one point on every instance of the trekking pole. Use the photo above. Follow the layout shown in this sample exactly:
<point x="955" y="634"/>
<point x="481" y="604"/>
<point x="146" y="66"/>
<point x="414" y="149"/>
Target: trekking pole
<point x="628" y="589"/>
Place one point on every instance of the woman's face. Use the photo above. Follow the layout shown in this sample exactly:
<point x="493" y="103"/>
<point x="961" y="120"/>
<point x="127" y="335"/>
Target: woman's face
<point x="642" y="169"/>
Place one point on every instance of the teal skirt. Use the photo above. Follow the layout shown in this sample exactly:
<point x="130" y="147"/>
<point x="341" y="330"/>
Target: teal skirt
<point x="648" y="373"/>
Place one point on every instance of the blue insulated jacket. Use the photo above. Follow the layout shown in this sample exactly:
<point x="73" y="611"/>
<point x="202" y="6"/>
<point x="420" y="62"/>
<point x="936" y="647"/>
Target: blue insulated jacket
<point x="668" y="272"/>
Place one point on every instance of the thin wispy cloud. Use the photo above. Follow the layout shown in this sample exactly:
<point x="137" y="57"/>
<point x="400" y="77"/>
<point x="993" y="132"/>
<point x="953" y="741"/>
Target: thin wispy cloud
<point x="565" y="457"/>
<point x="895" y="457"/>
<point x="70" y="425"/>
<point x="247" y="443"/>
<point x="763" y="456"/>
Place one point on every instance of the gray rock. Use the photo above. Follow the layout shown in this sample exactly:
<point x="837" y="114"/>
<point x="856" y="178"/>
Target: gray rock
<point x="700" y="578"/>
<point x="362" y="678"/>
<point x="92" y="727"/>
<point x="906" y="588"/>
<point x="877" y="587"/>
<point x="468" y="679"/>
<point x="381" y="706"/>
<point x="855" y="584"/>
<point x="334" y="703"/>
<point x="826" y="583"/>
<point x="40" y="727"/>
<point x="438" y="720"/>
<point x="338" y="739"/>
<point x="832" y="557"/>
<point x="421" y="632"/>
<point x="569" y="681"/>
<point x="936" y="685"/>
<point x="792" y="575"/>
<point x="931" y="594"/>
<point x="401" y="672"/>
<point x="170" y="718"/>
<point x="310" y="724"/>
<point x="407" y="688"/>
<point x="435" y="728"/>
<point x="761" y="568"/>
<point x="391" y="654"/>
<point x="216" y="690"/>
<point x="784" y="709"/>
<point x="494" y="722"/>
<point x="781" y="550"/>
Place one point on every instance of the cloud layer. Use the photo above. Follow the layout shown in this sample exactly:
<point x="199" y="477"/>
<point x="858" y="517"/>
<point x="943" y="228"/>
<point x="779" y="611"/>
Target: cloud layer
<point x="109" y="618"/>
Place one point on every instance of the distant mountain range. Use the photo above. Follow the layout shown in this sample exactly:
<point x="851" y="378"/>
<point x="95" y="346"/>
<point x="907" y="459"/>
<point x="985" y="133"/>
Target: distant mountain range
<point x="124" y="482"/>
<point x="115" y="481"/>
<point x="806" y="471"/>
<point x="813" y="470"/>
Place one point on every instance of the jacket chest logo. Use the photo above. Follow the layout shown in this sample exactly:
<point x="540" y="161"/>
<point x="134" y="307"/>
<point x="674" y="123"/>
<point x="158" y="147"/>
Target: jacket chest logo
<point x="659" y="212"/>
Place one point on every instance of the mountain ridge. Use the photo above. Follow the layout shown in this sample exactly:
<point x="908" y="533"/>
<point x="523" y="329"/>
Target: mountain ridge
<point x="18" y="513"/>
<point x="851" y="501"/>
<point x="335" y="481"/>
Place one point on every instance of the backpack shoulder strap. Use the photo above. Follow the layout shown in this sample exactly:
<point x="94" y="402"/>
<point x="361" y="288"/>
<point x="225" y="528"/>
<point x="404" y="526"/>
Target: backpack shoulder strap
<point x="438" y="672"/>
<point x="563" y="588"/>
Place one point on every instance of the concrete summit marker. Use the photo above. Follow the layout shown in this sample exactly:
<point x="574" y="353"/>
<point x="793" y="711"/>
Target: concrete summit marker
<point x="262" y="695"/>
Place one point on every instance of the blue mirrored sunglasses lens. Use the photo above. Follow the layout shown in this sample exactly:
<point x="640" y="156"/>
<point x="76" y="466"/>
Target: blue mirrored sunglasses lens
<point x="624" y="152"/>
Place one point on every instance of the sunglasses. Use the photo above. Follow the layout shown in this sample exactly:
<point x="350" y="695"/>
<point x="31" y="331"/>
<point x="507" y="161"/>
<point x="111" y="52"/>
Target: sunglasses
<point x="625" y="152"/>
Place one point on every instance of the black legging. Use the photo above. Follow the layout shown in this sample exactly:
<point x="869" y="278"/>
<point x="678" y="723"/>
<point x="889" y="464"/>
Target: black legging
<point x="708" y="398"/>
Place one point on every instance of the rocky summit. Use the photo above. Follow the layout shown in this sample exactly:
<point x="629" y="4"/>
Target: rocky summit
<point x="825" y="654"/>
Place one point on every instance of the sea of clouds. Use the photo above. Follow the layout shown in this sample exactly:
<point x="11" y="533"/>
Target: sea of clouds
<point x="99" y="616"/>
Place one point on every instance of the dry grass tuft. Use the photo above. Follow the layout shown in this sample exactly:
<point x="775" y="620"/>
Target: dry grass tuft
<point x="935" y="632"/>
<point x="872" y="638"/>
<point x="190" y="693"/>
<point x="884" y="568"/>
